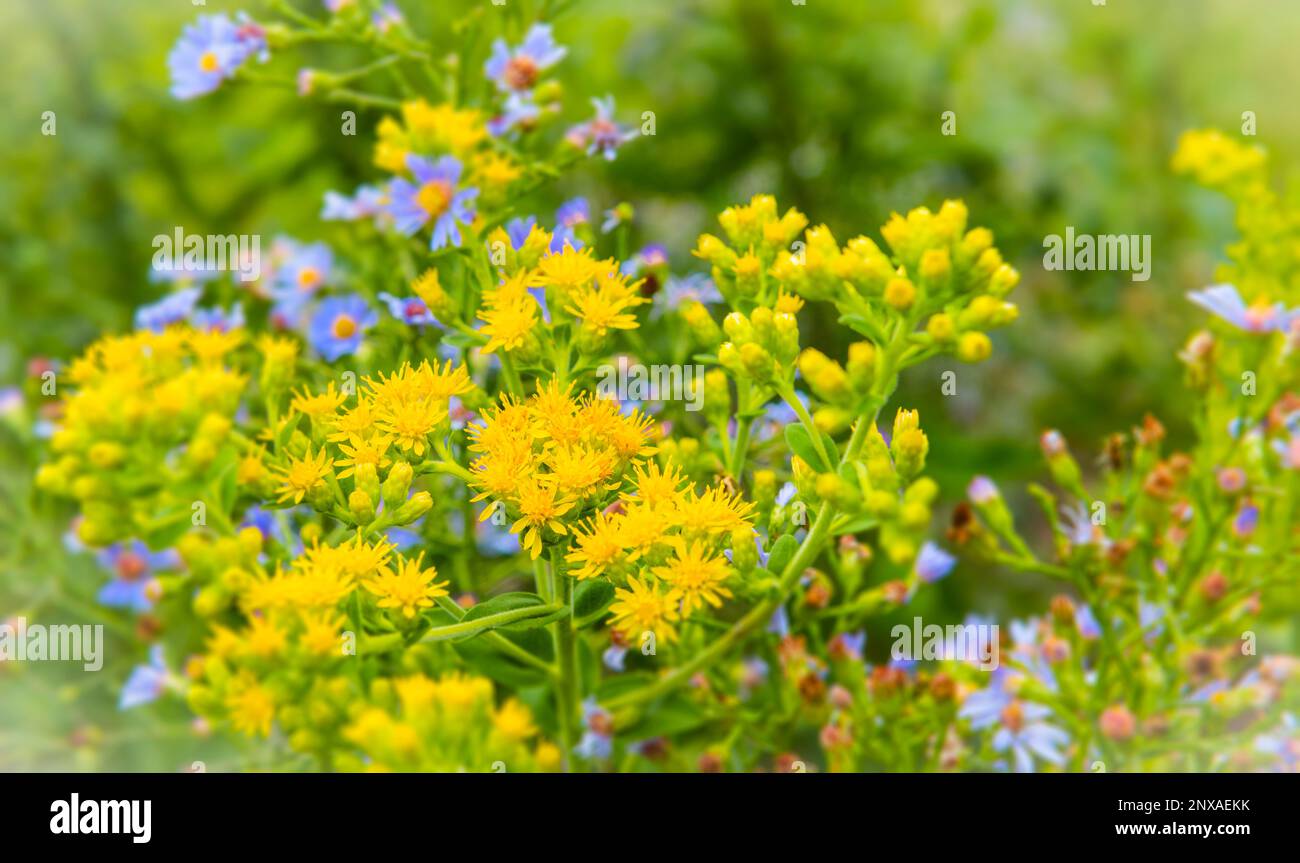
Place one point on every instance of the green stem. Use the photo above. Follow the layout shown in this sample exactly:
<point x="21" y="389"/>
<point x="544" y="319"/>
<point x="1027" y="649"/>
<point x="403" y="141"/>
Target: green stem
<point x="566" y="652"/>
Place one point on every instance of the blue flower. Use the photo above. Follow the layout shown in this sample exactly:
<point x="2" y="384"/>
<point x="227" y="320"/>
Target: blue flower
<point x="597" y="740"/>
<point x="146" y="682"/>
<point x="211" y="50"/>
<point x="933" y="563"/>
<point x="434" y="198"/>
<point x="573" y="212"/>
<point x="171" y="309"/>
<point x="601" y="134"/>
<point x="518" y="69"/>
<point x="1028" y="737"/>
<point x="518" y="112"/>
<point x="1087" y="624"/>
<point x="306" y="268"/>
<point x="780" y="622"/>
<point x="696" y="286"/>
<point x="984" y="707"/>
<point x="387" y="17"/>
<point x="367" y="202"/>
<point x="613" y="657"/>
<point x="1283" y="744"/>
<point x="1226" y="302"/>
<point x="217" y="318"/>
<point x="338" y="324"/>
<point x="133" y="565"/>
<point x="409" y="310"/>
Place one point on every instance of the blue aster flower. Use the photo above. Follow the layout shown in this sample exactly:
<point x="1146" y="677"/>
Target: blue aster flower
<point x="433" y="197"/>
<point x="518" y="112"/>
<point x="306" y="268"/>
<point x="601" y="134"/>
<point x="338" y="324"/>
<point x="933" y="563"/>
<point x="409" y="310"/>
<point x="1225" y="302"/>
<point x="171" y="309"/>
<point x="597" y="739"/>
<point x="678" y="290"/>
<point x="146" y="682"/>
<point x="211" y="50"/>
<point x="217" y="318"/>
<point x="133" y="565"/>
<point x="517" y="69"/>
<point x="1028" y="737"/>
<point x="613" y="657"/>
<point x="367" y="202"/>
<point x="1086" y="622"/>
<point x="573" y="212"/>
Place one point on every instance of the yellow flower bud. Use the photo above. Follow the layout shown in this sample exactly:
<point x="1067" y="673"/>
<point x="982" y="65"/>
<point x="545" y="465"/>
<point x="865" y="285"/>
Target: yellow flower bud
<point x="974" y="347"/>
<point x="941" y="327"/>
<point x="900" y="293"/>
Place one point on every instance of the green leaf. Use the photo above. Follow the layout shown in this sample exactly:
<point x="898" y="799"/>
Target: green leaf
<point x="857" y="524"/>
<point x="591" y="597"/>
<point x="800" y="443"/>
<point x="509" y="602"/>
<point x="781" y="553"/>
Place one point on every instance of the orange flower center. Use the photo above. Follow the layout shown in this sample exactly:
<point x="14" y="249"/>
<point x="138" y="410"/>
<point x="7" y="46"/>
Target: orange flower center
<point x="208" y="62"/>
<point x="434" y="197"/>
<point x="344" y="326"/>
<point x="520" y="73"/>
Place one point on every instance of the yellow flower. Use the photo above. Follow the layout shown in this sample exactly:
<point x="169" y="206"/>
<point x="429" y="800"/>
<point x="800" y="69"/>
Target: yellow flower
<point x="640" y="607"/>
<point x="513" y="720"/>
<point x="252" y="710"/>
<point x="359" y="421"/>
<point x="360" y="452"/>
<point x="607" y="306"/>
<point x="508" y="324"/>
<point x="598" y="546"/>
<point x="320" y="632"/>
<point x="715" y="512"/>
<point x="571" y="269"/>
<point x="416" y="693"/>
<point x="656" y="486"/>
<point x="320" y="405"/>
<point x="411" y="422"/>
<point x="303" y="475"/>
<point x="407" y="586"/>
<point x="697" y="574"/>
<point x="539" y="509"/>
<point x="265" y="639"/>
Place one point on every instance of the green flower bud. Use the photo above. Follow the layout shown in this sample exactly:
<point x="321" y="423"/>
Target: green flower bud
<point x="419" y="503"/>
<point x="362" y="507"/>
<point x="398" y="484"/>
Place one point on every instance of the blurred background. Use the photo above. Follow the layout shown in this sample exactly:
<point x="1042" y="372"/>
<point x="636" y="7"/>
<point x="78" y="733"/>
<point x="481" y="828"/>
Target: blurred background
<point x="1066" y="114"/>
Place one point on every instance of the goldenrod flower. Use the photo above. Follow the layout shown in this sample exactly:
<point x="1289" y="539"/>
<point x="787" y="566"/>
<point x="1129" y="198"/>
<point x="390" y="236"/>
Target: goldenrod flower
<point x="640" y="607"/>
<point x="539" y="508"/>
<point x="407" y="586"/>
<point x="251" y="707"/>
<point x="597" y="547"/>
<point x="304" y="474"/>
<point x="697" y="574"/>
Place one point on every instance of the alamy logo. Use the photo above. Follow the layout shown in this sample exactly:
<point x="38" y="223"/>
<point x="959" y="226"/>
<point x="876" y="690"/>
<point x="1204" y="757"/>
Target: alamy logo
<point x="976" y="643"/>
<point x="74" y="816"/>
<point x="659" y="383"/>
<point x="23" y="642"/>
<point x="1123" y="252"/>
<point x="208" y="253"/>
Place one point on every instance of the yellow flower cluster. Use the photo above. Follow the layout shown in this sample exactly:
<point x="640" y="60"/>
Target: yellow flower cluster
<point x="293" y="619"/>
<point x="665" y="541"/>
<point x="434" y="130"/>
<point x="578" y="287"/>
<point x="146" y="404"/>
<point x="936" y="271"/>
<point x="448" y="724"/>
<point x="552" y="456"/>
<point x="1218" y="161"/>
<point x="398" y="420"/>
